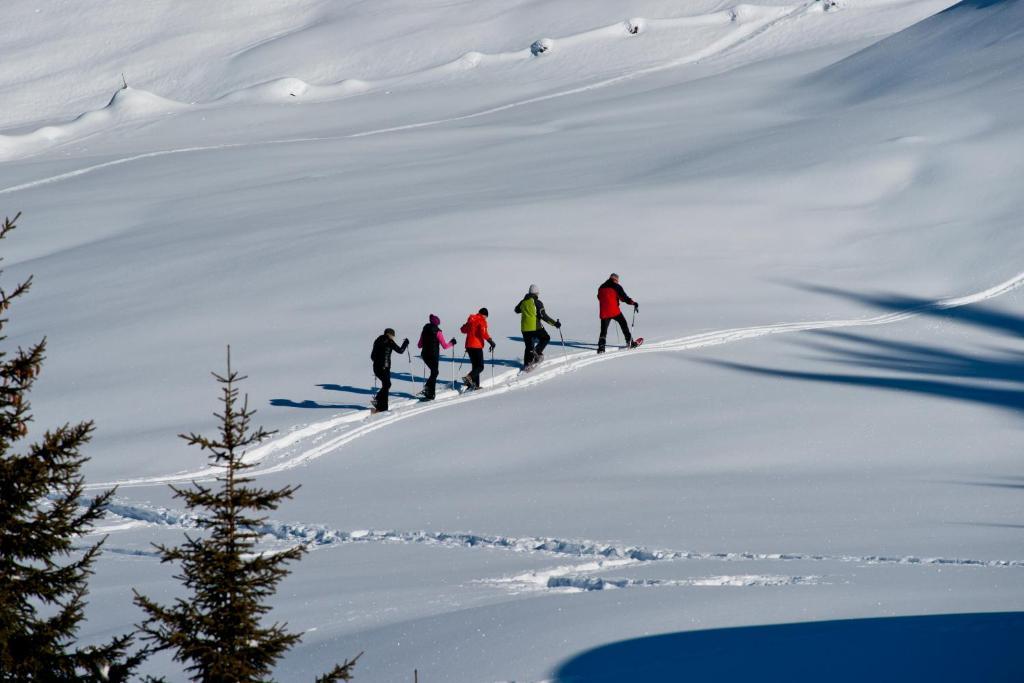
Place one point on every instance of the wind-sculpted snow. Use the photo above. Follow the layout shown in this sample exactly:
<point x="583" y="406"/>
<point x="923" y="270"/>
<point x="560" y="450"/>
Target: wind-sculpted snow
<point x="316" y="440"/>
<point x="129" y="104"/>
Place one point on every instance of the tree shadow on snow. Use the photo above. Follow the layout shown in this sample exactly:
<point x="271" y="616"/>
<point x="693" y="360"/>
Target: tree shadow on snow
<point x="991" y="376"/>
<point x="995" y="378"/>
<point x="941" y="647"/>
<point x="979" y="315"/>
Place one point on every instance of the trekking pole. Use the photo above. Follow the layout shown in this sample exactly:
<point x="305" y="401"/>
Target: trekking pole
<point x="565" y="352"/>
<point x="453" y="366"/>
<point x="492" y="367"/>
<point x="634" y="318"/>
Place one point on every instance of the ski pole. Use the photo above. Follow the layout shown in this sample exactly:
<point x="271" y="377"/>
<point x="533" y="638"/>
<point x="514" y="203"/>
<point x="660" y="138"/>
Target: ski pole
<point x="492" y="366"/>
<point x="453" y="366"/>
<point x="634" y="318"/>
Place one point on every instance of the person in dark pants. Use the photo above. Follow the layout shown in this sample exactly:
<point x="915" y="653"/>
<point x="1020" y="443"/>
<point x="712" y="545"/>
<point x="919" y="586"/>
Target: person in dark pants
<point x="476" y="333"/>
<point x="430" y="344"/>
<point x="609" y="295"/>
<point x="383" y="346"/>
<point x="532" y="317"/>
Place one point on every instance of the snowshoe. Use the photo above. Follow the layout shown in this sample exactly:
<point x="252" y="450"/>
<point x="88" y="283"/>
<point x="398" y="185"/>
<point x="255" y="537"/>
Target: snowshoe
<point x="636" y="342"/>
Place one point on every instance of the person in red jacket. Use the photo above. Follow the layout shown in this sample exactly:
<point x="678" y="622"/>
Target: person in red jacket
<point x="609" y="295"/>
<point x="476" y="333"/>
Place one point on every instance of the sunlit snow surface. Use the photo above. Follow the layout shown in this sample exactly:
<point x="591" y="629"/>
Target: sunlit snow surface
<point x="817" y="207"/>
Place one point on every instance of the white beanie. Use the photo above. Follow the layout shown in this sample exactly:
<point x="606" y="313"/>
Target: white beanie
<point x="534" y="289"/>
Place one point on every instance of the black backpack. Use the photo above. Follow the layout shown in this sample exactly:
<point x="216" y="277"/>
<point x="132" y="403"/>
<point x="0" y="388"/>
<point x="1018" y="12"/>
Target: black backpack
<point x="428" y="339"/>
<point x="379" y="351"/>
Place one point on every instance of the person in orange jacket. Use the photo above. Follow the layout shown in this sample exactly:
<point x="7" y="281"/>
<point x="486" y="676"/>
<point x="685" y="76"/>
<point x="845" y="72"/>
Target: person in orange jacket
<point x="476" y="333"/>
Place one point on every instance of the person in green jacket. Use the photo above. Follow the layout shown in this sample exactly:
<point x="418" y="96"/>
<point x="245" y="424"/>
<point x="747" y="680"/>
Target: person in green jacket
<point x="532" y="317"/>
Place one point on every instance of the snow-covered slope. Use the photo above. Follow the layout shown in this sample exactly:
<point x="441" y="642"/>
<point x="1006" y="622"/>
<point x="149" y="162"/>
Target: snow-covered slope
<point x="815" y="205"/>
<point x="973" y="45"/>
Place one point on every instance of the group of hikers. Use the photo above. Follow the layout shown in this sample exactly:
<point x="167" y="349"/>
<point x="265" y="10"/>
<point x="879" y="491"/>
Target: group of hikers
<point x="532" y="316"/>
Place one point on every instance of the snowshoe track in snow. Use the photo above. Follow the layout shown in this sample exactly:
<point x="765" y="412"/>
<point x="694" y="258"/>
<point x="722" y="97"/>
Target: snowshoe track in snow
<point x="592" y="556"/>
<point x="621" y="554"/>
<point x="315" y="440"/>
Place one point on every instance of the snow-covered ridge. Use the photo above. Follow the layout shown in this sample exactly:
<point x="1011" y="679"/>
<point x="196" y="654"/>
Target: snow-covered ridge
<point x="127" y="104"/>
<point x="131" y="104"/>
<point x="318" y="439"/>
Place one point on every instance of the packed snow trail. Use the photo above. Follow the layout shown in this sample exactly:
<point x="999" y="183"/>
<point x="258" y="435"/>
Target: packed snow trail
<point x="743" y="33"/>
<point x="330" y="435"/>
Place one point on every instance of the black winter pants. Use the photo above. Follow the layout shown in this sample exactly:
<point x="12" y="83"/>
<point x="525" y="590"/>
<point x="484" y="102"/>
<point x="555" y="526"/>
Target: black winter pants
<point x="621" y="319"/>
<point x="535" y="342"/>
<point x="476" y="357"/>
<point x="430" y="388"/>
<point x="380" y="401"/>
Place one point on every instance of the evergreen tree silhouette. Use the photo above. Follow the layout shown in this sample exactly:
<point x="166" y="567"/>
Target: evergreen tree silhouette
<point x="43" y="575"/>
<point x="217" y="630"/>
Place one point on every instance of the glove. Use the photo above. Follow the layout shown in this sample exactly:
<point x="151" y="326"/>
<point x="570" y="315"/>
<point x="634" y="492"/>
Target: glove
<point x="454" y="341"/>
<point x="491" y="342"/>
<point x="558" y="324"/>
<point x="636" y="305"/>
<point x="406" y="342"/>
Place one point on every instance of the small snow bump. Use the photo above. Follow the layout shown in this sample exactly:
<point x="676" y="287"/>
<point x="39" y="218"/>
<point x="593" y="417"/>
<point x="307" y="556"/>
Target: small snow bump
<point x="636" y="25"/>
<point x="541" y="46"/>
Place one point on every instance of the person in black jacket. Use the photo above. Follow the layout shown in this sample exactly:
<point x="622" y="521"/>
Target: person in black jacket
<point x="381" y="357"/>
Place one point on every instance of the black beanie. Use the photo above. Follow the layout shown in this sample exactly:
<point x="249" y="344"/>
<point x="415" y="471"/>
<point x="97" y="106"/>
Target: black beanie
<point x="389" y="331"/>
<point x="483" y="312"/>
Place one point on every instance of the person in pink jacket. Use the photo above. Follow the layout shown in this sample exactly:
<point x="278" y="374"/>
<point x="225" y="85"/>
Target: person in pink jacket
<point x="430" y="344"/>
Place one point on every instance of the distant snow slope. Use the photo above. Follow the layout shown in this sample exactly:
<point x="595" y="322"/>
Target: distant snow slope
<point x="293" y="177"/>
<point x="974" y="44"/>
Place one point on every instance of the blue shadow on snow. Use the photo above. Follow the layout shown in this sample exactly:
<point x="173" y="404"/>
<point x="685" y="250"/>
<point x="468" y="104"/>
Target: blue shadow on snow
<point x="942" y="647"/>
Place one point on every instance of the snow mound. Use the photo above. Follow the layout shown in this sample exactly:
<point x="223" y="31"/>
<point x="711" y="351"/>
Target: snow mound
<point x="541" y="46"/>
<point x="971" y="44"/>
<point x="127" y="104"/>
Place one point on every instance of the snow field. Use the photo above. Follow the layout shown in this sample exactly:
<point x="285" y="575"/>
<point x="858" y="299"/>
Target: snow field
<point x="815" y="207"/>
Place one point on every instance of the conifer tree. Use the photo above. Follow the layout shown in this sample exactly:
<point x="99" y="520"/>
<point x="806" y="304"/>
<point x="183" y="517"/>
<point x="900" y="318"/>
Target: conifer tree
<point x="217" y="630"/>
<point x="43" y="576"/>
